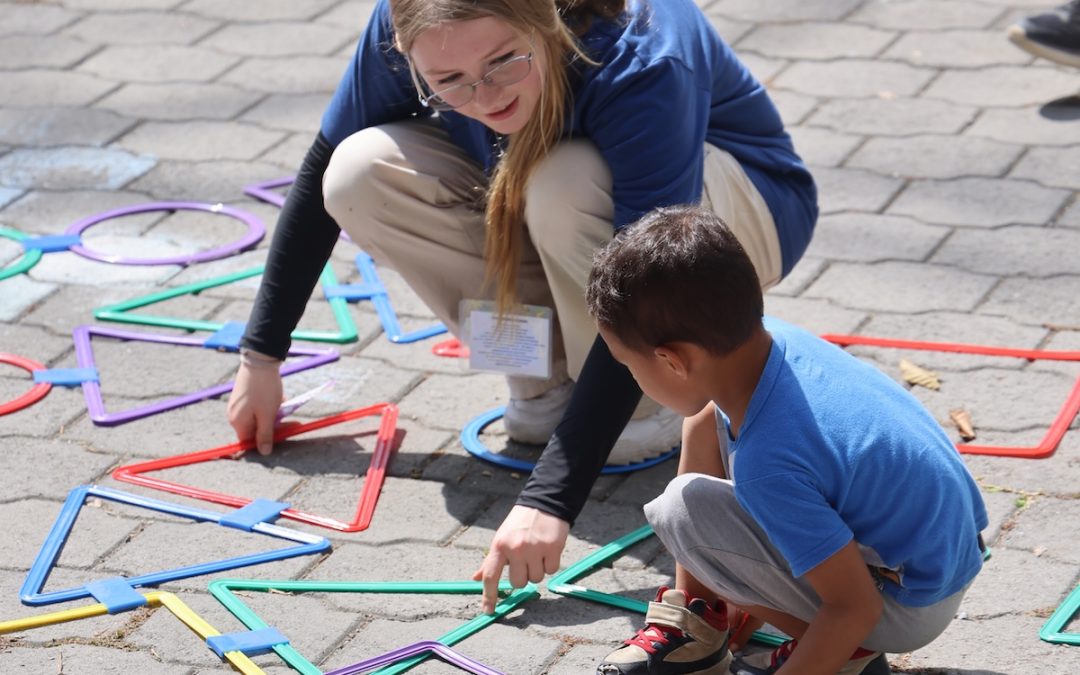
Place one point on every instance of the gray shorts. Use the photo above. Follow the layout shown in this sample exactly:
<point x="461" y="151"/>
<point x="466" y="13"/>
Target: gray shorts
<point x="730" y="554"/>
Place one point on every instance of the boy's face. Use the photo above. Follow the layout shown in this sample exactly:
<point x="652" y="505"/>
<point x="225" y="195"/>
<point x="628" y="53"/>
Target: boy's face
<point x="659" y="375"/>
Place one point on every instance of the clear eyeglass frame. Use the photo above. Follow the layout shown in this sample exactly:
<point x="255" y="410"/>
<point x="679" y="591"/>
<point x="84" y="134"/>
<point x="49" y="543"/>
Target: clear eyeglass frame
<point x="502" y="75"/>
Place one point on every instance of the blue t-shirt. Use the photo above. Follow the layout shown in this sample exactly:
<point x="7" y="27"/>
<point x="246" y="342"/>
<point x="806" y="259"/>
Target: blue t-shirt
<point x="832" y="449"/>
<point x="665" y="84"/>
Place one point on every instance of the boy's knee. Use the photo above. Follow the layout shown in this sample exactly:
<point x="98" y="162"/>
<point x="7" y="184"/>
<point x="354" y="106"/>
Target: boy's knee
<point x="672" y="513"/>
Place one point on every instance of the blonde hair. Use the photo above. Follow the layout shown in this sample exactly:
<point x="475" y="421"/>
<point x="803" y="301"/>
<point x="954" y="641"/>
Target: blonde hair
<point x="546" y="22"/>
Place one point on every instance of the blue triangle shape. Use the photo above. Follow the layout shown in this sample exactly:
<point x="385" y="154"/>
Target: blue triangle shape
<point x="31" y="591"/>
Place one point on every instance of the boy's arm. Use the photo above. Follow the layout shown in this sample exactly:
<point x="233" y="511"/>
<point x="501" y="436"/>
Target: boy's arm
<point x="850" y="608"/>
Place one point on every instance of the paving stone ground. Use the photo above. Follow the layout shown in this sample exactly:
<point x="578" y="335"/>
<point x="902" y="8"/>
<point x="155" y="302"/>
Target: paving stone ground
<point x="949" y="164"/>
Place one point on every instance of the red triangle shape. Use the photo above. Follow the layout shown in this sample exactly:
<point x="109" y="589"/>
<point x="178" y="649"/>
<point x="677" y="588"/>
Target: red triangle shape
<point x="369" y="494"/>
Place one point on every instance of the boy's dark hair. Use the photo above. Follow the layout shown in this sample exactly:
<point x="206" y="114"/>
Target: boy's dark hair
<point x="676" y="275"/>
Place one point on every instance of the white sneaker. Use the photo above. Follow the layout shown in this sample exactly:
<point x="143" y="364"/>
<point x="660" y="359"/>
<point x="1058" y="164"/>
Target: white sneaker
<point x="647" y="437"/>
<point x="533" y="420"/>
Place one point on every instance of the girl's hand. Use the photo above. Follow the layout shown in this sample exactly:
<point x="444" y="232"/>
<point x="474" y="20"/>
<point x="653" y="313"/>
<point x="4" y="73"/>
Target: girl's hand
<point x="254" y="403"/>
<point x="529" y="542"/>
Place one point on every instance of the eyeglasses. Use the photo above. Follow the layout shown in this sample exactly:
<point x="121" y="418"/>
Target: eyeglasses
<point x="509" y="72"/>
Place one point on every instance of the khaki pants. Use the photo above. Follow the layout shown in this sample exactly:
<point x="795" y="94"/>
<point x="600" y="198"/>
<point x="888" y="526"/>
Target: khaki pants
<point x="412" y="199"/>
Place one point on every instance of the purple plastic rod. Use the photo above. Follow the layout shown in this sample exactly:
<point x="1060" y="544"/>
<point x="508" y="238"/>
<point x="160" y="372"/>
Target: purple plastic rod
<point x="264" y="191"/>
<point x="256" y="231"/>
<point x="444" y="652"/>
<point x="84" y="356"/>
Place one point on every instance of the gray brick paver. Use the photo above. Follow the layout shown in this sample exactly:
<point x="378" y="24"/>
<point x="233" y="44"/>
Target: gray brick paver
<point x="1048" y="528"/>
<point x="1002" y="86"/>
<point x="8" y="195"/>
<point x="979" y="202"/>
<point x="901" y="287"/>
<point x="1024" y="125"/>
<point x="281" y="38"/>
<point x="81" y="168"/>
<point x="783" y="10"/>
<point x="305" y="75"/>
<point x="78" y="659"/>
<point x="157" y="64"/>
<point x="1036" y="300"/>
<point x="290" y="112"/>
<point x="921" y="14"/>
<point x="179" y="101"/>
<point x="892" y="117"/>
<point x="815" y="41"/>
<point x="197" y="141"/>
<point x="936" y="156"/>
<point x="855" y="78"/>
<point x="22" y="293"/>
<point x="43" y="127"/>
<point x="820" y="316"/>
<point x="866" y="237"/>
<point x="958" y="48"/>
<point x="267" y="10"/>
<point x="793" y="107"/>
<point x="1054" y="167"/>
<point x="1033" y="401"/>
<point x="1071" y="216"/>
<point x="819" y="146"/>
<point x="49" y="468"/>
<point x="52" y="211"/>
<point x="854" y="190"/>
<point x="21" y="19"/>
<point x="205" y="181"/>
<point x="26" y="51"/>
<point x="1017" y="251"/>
<point x="142" y="28"/>
<point x="48" y="88"/>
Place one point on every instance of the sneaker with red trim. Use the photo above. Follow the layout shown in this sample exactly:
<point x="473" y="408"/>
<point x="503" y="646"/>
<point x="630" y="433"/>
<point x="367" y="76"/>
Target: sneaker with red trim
<point x="863" y="662"/>
<point x="682" y="636"/>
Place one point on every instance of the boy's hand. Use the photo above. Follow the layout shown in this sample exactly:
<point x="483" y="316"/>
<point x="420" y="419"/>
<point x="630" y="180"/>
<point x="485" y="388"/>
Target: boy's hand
<point x="851" y="606"/>
<point x="253" y="405"/>
<point x="530" y="542"/>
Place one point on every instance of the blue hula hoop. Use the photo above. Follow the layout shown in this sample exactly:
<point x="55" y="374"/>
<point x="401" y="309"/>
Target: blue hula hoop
<point x="470" y="439"/>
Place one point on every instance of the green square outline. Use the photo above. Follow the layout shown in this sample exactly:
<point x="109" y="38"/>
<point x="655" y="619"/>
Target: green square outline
<point x="121" y="311"/>
<point x="1052" y="630"/>
<point x="222" y="589"/>
<point x="563" y="582"/>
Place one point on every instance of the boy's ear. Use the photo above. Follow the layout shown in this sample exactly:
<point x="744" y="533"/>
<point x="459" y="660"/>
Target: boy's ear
<point x="675" y="357"/>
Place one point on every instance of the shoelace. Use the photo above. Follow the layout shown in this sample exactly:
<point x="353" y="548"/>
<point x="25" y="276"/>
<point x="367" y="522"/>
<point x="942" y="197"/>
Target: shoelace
<point x="781" y="653"/>
<point x="647" y="636"/>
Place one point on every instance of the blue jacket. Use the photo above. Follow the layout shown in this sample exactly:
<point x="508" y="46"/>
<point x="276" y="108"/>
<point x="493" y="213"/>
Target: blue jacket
<point x="664" y="85"/>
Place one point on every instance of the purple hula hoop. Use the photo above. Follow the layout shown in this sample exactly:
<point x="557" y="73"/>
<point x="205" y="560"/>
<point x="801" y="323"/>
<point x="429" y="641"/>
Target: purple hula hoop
<point x="256" y="231"/>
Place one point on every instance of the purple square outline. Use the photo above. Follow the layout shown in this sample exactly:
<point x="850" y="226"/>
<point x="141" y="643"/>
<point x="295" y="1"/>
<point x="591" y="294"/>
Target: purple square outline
<point x="449" y="655"/>
<point x="84" y="356"/>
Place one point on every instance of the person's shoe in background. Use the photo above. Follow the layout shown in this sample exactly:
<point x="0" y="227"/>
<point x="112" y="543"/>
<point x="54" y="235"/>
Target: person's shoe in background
<point x="533" y="420"/>
<point x="647" y="437"/>
<point x="1053" y="35"/>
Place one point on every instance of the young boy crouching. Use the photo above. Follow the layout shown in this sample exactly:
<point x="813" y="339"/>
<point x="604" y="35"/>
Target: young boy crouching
<point x="828" y="503"/>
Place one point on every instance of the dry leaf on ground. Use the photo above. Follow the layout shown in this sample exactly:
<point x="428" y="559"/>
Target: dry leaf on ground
<point x="914" y="374"/>
<point x="962" y="419"/>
